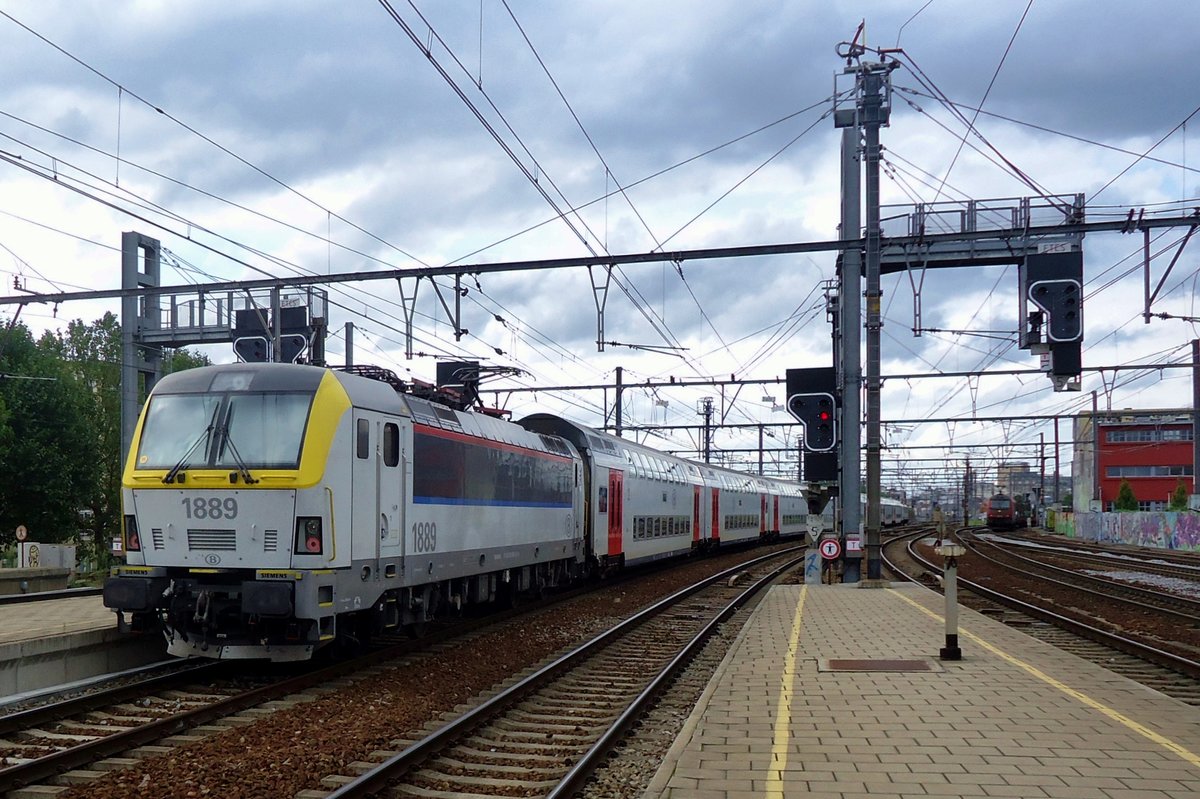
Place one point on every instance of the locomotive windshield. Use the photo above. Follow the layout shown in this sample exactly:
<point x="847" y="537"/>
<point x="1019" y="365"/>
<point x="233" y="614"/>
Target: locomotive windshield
<point x="215" y="431"/>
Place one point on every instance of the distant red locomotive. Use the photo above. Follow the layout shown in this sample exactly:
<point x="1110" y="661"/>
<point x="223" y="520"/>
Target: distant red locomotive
<point x="1007" y="513"/>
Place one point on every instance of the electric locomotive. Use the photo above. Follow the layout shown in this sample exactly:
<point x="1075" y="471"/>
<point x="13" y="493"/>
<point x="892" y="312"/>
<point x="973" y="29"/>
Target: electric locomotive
<point x="271" y="509"/>
<point x="1007" y="513"/>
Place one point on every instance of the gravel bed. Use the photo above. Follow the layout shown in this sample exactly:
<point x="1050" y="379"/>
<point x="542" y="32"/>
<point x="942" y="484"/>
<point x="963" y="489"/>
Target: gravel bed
<point x="37" y="747"/>
<point x="631" y="766"/>
<point x="294" y="748"/>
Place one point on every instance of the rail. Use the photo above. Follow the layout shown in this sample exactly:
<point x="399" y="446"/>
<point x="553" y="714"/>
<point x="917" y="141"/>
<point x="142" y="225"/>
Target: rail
<point x="377" y="779"/>
<point x="1129" y="646"/>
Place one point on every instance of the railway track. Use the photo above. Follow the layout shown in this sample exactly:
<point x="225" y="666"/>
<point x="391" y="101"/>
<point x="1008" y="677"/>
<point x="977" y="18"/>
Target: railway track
<point x="1178" y="565"/>
<point x="61" y="705"/>
<point x="1172" y="674"/>
<point x="546" y="734"/>
<point x="1180" y="557"/>
<point x="69" y="741"/>
<point x="94" y="735"/>
<point x="72" y="740"/>
<point x="1181" y="608"/>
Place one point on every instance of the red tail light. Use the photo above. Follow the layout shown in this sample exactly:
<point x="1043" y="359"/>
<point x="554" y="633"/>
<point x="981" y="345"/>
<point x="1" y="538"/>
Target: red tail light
<point x="133" y="541"/>
<point x="308" y="535"/>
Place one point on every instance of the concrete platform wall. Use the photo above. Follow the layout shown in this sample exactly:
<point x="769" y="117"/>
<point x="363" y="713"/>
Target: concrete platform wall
<point x="35" y="663"/>
<point x="27" y="581"/>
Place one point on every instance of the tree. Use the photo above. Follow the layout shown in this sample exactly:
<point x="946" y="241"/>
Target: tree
<point x="92" y="353"/>
<point x="60" y="434"/>
<point x="1125" y="498"/>
<point x="1179" y="497"/>
<point x="46" y="439"/>
<point x="176" y="360"/>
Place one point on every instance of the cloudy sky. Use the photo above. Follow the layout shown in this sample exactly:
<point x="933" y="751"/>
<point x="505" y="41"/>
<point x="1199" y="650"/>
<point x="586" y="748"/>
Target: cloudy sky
<point x="303" y="137"/>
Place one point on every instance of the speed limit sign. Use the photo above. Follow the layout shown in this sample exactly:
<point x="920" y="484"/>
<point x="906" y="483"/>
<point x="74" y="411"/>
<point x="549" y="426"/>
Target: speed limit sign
<point x="831" y="549"/>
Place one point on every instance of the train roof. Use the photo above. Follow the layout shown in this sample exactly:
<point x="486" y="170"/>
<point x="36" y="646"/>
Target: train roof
<point x="243" y="377"/>
<point x="281" y="377"/>
<point x="369" y="391"/>
<point x="600" y="443"/>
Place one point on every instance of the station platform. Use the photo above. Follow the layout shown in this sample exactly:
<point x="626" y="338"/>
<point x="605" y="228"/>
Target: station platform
<point x="62" y="640"/>
<point x="837" y="692"/>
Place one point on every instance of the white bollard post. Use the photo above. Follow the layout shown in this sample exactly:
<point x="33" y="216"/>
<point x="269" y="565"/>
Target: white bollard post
<point x="951" y="552"/>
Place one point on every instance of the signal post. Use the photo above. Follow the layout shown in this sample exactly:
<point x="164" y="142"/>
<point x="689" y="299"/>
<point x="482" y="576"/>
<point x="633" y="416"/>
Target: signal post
<point x="814" y="400"/>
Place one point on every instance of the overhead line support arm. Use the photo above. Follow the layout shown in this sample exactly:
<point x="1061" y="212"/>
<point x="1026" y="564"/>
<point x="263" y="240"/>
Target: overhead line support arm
<point x="602" y="260"/>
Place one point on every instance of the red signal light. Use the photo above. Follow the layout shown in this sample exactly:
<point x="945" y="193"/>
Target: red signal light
<point x="133" y="540"/>
<point x="308" y="535"/>
<point x="824" y="416"/>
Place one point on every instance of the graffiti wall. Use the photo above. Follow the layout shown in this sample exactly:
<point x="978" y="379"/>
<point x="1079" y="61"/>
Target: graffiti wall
<point x="1161" y="529"/>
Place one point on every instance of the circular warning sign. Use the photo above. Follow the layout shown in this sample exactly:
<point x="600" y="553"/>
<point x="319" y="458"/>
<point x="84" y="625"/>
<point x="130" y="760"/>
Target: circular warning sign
<point x="21" y="532"/>
<point x="831" y="549"/>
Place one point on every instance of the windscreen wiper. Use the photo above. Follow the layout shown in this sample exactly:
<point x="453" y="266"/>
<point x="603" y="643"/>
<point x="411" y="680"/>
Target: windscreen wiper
<point x="183" y="462"/>
<point x="227" y="441"/>
<point x="243" y="470"/>
<point x="203" y="437"/>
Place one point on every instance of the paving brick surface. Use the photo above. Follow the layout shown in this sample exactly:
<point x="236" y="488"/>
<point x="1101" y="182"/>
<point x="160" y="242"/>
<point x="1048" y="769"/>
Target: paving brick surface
<point x="23" y="621"/>
<point x="1014" y="718"/>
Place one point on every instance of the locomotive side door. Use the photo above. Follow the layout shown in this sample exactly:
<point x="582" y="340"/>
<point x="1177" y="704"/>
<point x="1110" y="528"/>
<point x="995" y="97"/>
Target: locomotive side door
<point x="365" y="474"/>
<point x="391" y="468"/>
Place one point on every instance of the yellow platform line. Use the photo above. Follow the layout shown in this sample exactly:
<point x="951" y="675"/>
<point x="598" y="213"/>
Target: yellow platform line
<point x="1120" y="718"/>
<point x="783" y="708"/>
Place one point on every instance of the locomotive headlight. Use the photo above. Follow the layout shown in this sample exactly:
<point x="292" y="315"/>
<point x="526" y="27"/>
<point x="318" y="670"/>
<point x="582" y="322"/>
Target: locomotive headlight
<point x="308" y="535"/>
<point x="133" y="541"/>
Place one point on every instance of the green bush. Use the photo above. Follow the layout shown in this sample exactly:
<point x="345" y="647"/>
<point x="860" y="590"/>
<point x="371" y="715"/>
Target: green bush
<point x="1125" y="498"/>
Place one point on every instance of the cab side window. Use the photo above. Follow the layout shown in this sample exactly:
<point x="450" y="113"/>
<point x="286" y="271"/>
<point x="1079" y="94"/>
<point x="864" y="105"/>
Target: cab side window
<point x="363" y="438"/>
<point x="391" y="444"/>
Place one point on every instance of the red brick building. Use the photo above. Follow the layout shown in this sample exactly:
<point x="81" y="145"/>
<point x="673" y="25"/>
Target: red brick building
<point x="1152" y="450"/>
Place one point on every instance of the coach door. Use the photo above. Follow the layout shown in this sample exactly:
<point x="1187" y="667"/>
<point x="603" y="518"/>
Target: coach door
<point x="716" y="514"/>
<point x="696" y="514"/>
<point x="616" y="510"/>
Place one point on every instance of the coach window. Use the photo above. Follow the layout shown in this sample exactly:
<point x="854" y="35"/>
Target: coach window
<point x="364" y="438"/>
<point x="391" y="444"/>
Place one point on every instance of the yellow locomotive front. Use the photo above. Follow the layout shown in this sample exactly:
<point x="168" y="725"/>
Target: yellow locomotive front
<point x="229" y="516"/>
